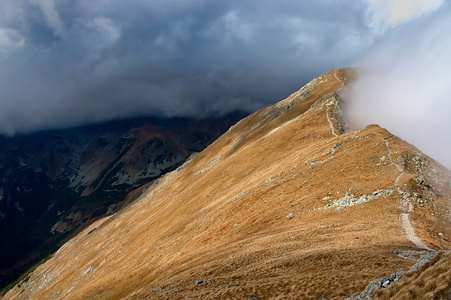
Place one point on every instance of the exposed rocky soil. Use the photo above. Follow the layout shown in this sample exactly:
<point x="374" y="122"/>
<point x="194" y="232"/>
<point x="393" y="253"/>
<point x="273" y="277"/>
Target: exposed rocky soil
<point x="287" y="204"/>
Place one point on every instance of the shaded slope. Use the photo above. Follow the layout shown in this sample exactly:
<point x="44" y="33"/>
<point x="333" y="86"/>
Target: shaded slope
<point x="55" y="183"/>
<point x="285" y="204"/>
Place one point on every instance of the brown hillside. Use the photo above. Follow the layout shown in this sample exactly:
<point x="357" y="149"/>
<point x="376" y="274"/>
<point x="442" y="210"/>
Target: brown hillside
<point x="285" y="205"/>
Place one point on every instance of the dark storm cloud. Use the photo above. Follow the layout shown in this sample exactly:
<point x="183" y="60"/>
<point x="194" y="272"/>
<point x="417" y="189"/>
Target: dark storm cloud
<point x="72" y="62"/>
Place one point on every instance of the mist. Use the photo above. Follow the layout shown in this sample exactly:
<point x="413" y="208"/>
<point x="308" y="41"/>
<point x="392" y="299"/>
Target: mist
<point x="404" y="84"/>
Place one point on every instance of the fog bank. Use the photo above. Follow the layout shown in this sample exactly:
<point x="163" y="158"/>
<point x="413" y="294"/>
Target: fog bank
<point x="404" y="85"/>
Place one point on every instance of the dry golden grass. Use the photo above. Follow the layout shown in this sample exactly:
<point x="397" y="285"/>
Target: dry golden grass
<point x="430" y="281"/>
<point x="249" y="216"/>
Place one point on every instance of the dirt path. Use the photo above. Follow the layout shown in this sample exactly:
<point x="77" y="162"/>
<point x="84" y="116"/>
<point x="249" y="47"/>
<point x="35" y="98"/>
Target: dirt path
<point x="328" y="105"/>
<point x="328" y="119"/>
<point x="405" y="206"/>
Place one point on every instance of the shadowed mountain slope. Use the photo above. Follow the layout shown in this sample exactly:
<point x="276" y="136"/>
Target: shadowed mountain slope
<point x="286" y="204"/>
<point x="55" y="183"/>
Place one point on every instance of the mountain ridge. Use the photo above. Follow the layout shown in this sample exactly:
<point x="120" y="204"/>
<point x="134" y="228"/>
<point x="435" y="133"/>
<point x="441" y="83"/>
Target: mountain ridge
<point x="286" y="203"/>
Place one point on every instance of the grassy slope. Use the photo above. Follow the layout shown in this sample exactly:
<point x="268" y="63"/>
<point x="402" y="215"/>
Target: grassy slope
<point x="243" y="216"/>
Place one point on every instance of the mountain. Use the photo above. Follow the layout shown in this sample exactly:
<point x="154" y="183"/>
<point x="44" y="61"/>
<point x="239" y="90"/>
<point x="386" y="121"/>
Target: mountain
<point x="287" y="204"/>
<point x="55" y="183"/>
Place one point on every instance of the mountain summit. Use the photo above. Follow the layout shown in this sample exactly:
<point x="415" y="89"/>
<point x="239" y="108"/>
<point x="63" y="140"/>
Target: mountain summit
<point x="287" y="203"/>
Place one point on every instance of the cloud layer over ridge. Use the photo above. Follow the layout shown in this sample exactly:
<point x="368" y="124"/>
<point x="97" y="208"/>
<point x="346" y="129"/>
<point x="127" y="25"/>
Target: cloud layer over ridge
<point x="65" y="63"/>
<point x="73" y="62"/>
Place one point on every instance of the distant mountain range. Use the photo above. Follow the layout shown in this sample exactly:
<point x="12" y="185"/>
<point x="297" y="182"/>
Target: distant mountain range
<point x="55" y="183"/>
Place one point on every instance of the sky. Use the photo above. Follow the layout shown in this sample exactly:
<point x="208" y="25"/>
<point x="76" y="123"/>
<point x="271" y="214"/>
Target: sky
<point x="73" y="62"/>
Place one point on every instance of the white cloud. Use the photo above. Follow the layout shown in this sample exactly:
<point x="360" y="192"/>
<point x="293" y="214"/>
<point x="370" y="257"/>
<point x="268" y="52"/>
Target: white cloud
<point x="100" y="32"/>
<point x="237" y="27"/>
<point x="13" y="26"/>
<point x="51" y="16"/>
<point x="10" y="39"/>
<point x="390" y="13"/>
<point x="109" y="31"/>
<point x="405" y="87"/>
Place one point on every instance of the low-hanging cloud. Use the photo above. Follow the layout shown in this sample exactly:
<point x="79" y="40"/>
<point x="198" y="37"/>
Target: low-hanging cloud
<point x="66" y="63"/>
<point x="404" y="84"/>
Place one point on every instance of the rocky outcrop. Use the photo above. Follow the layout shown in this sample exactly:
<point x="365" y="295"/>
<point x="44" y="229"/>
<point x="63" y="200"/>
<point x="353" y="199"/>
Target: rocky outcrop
<point x="389" y="280"/>
<point x="429" y="278"/>
<point x="379" y="283"/>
